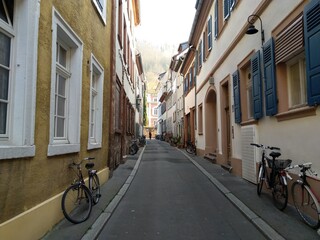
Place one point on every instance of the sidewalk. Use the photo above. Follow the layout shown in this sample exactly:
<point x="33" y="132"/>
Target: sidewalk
<point x="259" y="210"/>
<point x="110" y="196"/>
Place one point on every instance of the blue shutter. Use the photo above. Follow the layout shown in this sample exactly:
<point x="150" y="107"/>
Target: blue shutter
<point x="270" y="78"/>
<point x="210" y="32"/>
<point x="236" y="97"/>
<point x="216" y="21"/>
<point x="256" y="85"/>
<point x="312" y="43"/>
<point x="226" y="9"/>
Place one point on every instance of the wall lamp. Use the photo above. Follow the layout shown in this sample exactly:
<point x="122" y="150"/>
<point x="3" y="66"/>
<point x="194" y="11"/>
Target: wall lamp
<point x="138" y="101"/>
<point x="252" y="29"/>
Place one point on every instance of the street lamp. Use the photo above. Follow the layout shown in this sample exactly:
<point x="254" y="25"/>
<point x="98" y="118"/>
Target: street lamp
<point x="252" y="29"/>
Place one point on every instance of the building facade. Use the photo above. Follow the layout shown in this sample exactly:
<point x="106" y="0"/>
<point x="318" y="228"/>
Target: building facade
<point x="263" y="88"/>
<point x="63" y="95"/>
<point x="128" y="81"/>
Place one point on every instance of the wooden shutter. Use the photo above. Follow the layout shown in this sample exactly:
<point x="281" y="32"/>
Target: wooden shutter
<point x="256" y="85"/>
<point x="289" y="41"/>
<point x="270" y="78"/>
<point x="312" y="42"/>
<point x="236" y="97"/>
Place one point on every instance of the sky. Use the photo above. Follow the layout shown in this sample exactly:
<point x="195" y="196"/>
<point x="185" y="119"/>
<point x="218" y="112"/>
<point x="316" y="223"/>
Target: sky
<point x="165" y="21"/>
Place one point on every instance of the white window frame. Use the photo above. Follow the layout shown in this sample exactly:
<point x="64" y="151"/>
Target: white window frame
<point x="300" y="59"/>
<point x="63" y="33"/>
<point x="102" y="12"/>
<point x="19" y="141"/>
<point x="95" y="138"/>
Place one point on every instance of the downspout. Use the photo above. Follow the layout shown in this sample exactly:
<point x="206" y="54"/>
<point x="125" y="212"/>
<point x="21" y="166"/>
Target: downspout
<point x="112" y="87"/>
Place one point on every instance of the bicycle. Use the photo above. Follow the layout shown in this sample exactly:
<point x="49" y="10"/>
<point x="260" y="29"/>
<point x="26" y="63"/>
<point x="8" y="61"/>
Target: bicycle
<point x="305" y="200"/>
<point x="133" y="148"/>
<point x="191" y="148"/>
<point x="277" y="179"/>
<point x="78" y="199"/>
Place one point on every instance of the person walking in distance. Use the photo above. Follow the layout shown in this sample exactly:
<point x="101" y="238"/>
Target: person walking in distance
<point x="150" y="135"/>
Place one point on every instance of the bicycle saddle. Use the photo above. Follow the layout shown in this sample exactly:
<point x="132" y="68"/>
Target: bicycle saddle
<point x="89" y="165"/>
<point x="275" y="154"/>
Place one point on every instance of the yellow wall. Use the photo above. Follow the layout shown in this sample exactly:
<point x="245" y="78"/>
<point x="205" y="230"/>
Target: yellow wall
<point x="31" y="182"/>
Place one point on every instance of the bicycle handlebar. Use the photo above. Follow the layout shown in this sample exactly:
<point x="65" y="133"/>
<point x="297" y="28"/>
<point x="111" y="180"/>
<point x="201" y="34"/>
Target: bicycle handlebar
<point x="264" y="147"/>
<point x="78" y="164"/>
<point x="304" y="166"/>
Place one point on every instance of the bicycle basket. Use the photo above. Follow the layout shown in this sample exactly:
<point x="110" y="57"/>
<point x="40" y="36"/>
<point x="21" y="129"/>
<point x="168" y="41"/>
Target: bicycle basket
<point x="282" y="163"/>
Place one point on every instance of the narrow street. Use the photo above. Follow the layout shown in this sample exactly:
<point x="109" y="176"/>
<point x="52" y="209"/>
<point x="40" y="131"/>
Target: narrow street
<point x="170" y="198"/>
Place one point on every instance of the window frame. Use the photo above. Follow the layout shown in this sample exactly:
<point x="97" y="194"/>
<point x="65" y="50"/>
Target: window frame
<point x="200" y="119"/>
<point x="19" y="142"/>
<point x="96" y="69"/>
<point x="62" y="31"/>
<point x="301" y="61"/>
<point x="101" y="6"/>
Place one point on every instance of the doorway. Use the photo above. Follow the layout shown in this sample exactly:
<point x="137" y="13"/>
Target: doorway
<point x="211" y="136"/>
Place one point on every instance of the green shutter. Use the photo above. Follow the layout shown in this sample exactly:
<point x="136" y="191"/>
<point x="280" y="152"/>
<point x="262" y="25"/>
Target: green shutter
<point x="312" y="44"/>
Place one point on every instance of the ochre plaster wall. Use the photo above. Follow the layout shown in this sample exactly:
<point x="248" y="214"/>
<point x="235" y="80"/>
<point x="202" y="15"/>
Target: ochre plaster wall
<point x="26" y="183"/>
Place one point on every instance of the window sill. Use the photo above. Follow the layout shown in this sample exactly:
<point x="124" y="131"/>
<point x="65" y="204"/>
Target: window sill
<point x="93" y="146"/>
<point x="296" y="113"/>
<point x="63" y="149"/>
<point x="249" y="122"/>
<point x="9" y="152"/>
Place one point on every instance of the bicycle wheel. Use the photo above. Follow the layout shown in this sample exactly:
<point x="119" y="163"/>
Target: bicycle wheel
<point x="306" y="204"/>
<point x="95" y="188"/>
<point x="280" y="193"/>
<point x="76" y="203"/>
<point x="190" y="149"/>
<point x="261" y="178"/>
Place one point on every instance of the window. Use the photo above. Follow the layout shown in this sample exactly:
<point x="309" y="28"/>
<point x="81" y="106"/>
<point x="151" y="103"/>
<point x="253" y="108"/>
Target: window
<point x="5" y="69"/>
<point x="209" y="32"/>
<point x="154" y="99"/>
<point x="117" y="107"/>
<point x="66" y="83"/>
<point x="155" y="111"/>
<point x="191" y="77"/>
<point x="249" y="92"/>
<point x="199" y="56"/>
<point x="120" y="19"/>
<point x="228" y="6"/>
<point x="297" y="91"/>
<point x="200" y="121"/>
<point x="101" y="6"/>
<point x="96" y="102"/>
<point x="17" y="92"/>
<point x="216" y="20"/>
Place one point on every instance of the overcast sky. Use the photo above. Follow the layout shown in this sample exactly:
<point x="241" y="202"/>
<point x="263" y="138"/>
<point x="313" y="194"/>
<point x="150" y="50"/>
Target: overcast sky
<point x="166" y="21"/>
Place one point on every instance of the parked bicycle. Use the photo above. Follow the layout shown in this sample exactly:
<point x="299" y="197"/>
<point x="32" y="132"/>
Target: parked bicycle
<point x="78" y="199"/>
<point x="142" y="141"/>
<point x="276" y="179"/>
<point x="304" y="197"/>
<point x="134" y="147"/>
<point x="191" y="148"/>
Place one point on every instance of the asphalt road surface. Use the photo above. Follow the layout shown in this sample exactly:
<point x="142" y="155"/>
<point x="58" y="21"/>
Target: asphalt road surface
<point x="170" y="198"/>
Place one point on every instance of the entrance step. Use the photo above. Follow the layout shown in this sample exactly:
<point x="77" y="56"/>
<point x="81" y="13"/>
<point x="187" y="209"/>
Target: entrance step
<point x="226" y="167"/>
<point x="212" y="157"/>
